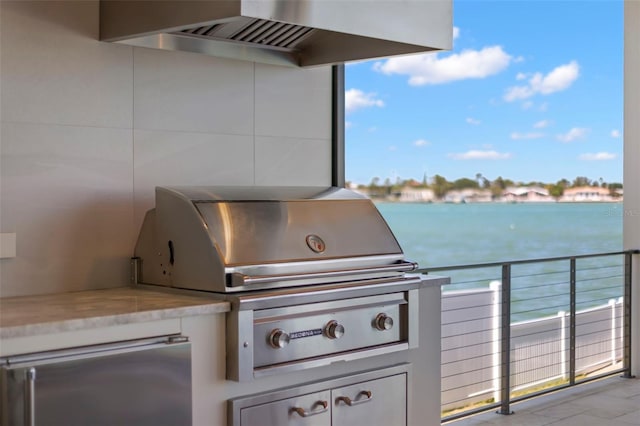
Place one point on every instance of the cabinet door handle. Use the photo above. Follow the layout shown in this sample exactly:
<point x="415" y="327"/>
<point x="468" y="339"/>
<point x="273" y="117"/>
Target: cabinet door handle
<point x="30" y="397"/>
<point x="304" y="413"/>
<point x="351" y="402"/>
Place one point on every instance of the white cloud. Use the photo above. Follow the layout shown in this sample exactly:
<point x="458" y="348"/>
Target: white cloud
<point x="473" y="121"/>
<point x="598" y="156"/>
<point x="541" y="124"/>
<point x="422" y="142"/>
<point x="393" y="148"/>
<point x="521" y="76"/>
<point x="527" y="105"/>
<point x="430" y="68"/>
<point x="615" y="133"/>
<point x="559" y="79"/>
<point x="356" y="99"/>
<point x="348" y="124"/>
<point x="480" y="155"/>
<point x="531" y="135"/>
<point x="456" y="32"/>
<point x="575" y="133"/>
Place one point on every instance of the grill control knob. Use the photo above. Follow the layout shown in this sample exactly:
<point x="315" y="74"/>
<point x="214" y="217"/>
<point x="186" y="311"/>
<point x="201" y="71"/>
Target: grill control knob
<point x="383" y="322"/>
<point x="279" y="338"/>
<point x="334" y="330"/>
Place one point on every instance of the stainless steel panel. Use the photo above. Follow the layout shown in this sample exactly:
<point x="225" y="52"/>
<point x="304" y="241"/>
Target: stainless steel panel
<point x="380" y="402"/>
<point x="334" y="32"/>
<point x="207" y="238"/>
<point x="322" y="293"/>
<point x="307" y="325"/>
<point x="144" y="384"/>
<point x="321" y="272"/>
<point x="330" y="359"/>
<point x="308" y="410"/>
<point x="262" y="402"/>
<point x="263" y="308"/>
<point x="281" y="231"/>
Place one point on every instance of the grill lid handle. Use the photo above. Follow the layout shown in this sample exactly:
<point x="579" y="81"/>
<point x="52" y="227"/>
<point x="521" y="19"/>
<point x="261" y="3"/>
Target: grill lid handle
<point x="238" y="279"/>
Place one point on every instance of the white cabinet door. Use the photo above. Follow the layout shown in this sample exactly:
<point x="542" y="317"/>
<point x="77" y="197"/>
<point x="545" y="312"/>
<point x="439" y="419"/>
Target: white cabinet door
<point x="381" y="402"/>
<point x="306" y="410"/>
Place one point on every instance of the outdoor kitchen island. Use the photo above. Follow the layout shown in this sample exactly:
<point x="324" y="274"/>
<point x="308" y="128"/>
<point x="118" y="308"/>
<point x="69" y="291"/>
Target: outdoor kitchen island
<point x="34" y="324"/>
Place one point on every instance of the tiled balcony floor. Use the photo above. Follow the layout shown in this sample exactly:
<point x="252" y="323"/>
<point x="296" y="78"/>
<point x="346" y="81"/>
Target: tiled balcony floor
<point x="609" y="402"/>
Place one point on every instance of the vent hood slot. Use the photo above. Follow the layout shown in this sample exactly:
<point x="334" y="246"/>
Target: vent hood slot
<point x="283" y="32"/>
<point x="257" y="31"/>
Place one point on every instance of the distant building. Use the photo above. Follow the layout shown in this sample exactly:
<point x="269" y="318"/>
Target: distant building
<point x="469" y="195"/>
<point x="414" y="194"/>
<point x="584" y="194"/>
<point x="522" y="194"/>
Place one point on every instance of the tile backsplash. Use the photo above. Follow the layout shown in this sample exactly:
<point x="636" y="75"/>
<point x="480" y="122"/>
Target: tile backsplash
<point x="89" y="129"/>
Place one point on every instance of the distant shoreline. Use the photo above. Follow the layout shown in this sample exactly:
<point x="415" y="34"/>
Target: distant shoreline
<point x="379" y="200"/>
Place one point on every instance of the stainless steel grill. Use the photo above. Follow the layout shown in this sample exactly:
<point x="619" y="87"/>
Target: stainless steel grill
<point x="314" y="275"/>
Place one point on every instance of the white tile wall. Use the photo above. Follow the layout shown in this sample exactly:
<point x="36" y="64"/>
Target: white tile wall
<point x="190" y="92"/>
<point x="88" y="129"/>
<point x="277" y="159"/>
<point x="54" y="70"/>
<point x="308" y="90"/>
<point x="631" y="224"/>
<point x="66" y="193"/>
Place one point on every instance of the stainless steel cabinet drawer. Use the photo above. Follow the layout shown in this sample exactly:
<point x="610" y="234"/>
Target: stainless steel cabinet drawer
<point x="381" y="402"/>
<point x="306" y="410"/>
<point x="371" y="398"/>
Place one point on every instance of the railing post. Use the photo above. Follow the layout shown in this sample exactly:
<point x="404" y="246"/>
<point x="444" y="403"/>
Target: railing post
<point x="626" y="317"/>
<point x="572" y="322"/>
<point x="505" y="342"/>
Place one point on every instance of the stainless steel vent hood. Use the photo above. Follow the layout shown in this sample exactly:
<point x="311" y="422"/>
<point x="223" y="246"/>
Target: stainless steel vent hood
<point x="284" y="32"/>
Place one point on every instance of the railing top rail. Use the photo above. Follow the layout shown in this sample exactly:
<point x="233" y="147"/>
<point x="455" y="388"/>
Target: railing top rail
<point x="524" y="261"/>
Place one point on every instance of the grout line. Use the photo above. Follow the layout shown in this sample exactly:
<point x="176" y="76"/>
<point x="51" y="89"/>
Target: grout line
<point x="133" y="140"/>
<point x="254" y="124"/>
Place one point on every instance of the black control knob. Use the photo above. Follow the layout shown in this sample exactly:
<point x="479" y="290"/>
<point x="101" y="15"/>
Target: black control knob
<point x="279" y="338"/>
<point x="334" y="330"/>
<point x="383" y="322"/>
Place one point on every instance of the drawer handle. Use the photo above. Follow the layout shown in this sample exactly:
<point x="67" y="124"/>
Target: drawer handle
<point x="304" y="413"/>
<point x="351" y="402"/>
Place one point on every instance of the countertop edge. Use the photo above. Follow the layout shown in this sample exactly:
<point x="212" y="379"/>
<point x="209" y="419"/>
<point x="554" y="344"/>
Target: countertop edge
<point x="83" y="319"/>
<point x="110" y="320"/>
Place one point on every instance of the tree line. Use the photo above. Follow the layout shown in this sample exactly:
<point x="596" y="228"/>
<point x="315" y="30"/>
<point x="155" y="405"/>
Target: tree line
<point x="440" y="185"/>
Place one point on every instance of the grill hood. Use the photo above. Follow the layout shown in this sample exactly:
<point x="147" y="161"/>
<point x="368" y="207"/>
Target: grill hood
<point x="283" y="32"/>
<point x="227" y="239"/>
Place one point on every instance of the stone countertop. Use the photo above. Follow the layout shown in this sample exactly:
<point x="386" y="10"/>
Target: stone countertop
<point x="36" y="315"/>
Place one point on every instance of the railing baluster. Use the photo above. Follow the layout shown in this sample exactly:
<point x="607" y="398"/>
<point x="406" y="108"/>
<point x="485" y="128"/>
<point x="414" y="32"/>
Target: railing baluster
<point x="505" y="342"/>
<point x="572" y="321"/>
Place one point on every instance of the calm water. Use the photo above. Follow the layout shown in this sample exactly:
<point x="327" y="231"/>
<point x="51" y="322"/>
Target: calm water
<point x="457" y="234"/>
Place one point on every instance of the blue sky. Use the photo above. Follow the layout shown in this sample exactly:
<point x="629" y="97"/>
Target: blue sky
<point x="531" y="91"/>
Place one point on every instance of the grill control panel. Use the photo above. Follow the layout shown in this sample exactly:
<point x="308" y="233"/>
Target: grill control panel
<point x="295" y="333"/>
